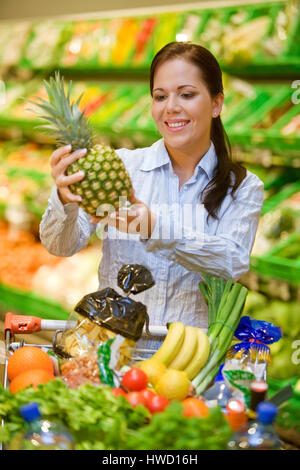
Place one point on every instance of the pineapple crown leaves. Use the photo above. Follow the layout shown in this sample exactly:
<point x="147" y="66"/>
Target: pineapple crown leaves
<point x="63" y="118"/>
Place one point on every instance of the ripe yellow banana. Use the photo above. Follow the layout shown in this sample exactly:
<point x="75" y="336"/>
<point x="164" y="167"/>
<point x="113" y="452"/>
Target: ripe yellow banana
<point x="172" y="343"/>
<point x="187" y="350"/>
<point x="201" y="355"/>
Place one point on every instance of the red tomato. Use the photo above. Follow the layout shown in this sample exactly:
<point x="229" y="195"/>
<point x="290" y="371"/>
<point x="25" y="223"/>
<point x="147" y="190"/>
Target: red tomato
<point x="147" y="394"/>
<point x="135" y="398"/>
<point x="118" y="391"/>
<point x="135" y="379"/>
<point x="157" y="403"/>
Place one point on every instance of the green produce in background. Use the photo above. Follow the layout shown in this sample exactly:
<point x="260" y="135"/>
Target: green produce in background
<point x="285" y="360"/>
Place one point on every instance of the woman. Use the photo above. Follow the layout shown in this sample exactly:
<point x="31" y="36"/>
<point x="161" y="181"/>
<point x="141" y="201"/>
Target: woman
<point x="193" y="211"/>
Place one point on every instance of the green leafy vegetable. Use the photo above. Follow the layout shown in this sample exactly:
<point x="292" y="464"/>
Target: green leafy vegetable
<point x="93" y="415"/>
<point x="170" y="430"/>
<point x="100" y="421"/>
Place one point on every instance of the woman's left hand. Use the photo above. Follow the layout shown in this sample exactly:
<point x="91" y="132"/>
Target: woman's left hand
<point x="137" y="219"/>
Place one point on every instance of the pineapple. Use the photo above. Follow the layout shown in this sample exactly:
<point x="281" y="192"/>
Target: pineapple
<point x="106" y="180"/>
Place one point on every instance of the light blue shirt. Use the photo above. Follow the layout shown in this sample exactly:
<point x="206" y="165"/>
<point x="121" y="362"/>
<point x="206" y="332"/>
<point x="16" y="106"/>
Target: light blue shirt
<point x="183" y="244"/>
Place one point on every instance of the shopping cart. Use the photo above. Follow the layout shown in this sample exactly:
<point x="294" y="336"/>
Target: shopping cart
<point x="24" y="324"/>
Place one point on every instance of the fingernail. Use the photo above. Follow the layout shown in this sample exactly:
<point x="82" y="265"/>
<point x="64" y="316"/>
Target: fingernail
<point x="69" y="147"/>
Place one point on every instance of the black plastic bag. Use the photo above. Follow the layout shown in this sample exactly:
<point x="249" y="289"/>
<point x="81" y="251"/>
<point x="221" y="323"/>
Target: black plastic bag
<point x="122" y="315"/>
<point x="134" y="278"/>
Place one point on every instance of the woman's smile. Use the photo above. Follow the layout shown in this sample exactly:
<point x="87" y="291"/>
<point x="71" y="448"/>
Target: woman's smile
<point x="176" y="125"/>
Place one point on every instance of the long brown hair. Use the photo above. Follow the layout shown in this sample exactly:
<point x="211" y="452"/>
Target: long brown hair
<point x="211" y="73"/>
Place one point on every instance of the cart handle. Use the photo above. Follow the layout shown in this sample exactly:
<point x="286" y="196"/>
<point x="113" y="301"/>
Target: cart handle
<point x="25" y="324"/>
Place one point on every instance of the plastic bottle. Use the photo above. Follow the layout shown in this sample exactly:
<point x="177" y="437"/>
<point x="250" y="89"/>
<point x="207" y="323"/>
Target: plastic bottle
<point x="260" y="434"/>
<point x="41" y="434"/>
<point x="258" y="394"/>
<point x="218" y="394"/>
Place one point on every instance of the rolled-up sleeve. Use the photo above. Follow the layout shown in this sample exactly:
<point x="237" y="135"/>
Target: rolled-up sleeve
<point x="64" y="229"/>
<point x="226" y="253"/>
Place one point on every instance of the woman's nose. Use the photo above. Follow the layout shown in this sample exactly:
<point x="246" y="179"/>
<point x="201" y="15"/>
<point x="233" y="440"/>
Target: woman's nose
<point x="172" y="105"/>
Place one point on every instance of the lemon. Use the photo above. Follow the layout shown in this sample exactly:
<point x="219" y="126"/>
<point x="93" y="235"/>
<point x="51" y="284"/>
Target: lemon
<point x="153" y="368"/>
<point x="173" y="385"/>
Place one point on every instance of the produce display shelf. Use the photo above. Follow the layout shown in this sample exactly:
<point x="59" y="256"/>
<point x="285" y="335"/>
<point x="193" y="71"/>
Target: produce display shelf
<point x="280" y="69"/>
<point x="272" y="202"/>
<point x="126" y="44"/>
<point x="275" y="266"/>
<point x="30" y="303"/>
<point x="263" y="157"/>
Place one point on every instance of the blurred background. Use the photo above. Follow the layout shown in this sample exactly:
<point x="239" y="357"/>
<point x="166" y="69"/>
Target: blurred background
<point x="107" y="54"/>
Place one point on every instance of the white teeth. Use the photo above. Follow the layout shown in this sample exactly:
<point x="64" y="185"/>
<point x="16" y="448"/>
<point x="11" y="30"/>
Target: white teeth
<point x="176" y="124"/>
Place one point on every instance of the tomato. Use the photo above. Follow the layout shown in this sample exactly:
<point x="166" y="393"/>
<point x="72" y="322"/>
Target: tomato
<point x="194" y="407"/>
<point x="157" y="403"/>
<point x="134" y="380"/>
<point x="118" y="391"/>
<point x="135" y="398"/>
<point x="147" y="394"/>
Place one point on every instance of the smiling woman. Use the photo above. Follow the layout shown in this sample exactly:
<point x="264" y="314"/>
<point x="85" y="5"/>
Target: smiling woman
<point x="193" y="210"/>
<point x="187" y="114"/>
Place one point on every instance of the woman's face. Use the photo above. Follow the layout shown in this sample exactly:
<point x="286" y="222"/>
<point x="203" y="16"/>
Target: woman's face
<point x="182" y="107"/>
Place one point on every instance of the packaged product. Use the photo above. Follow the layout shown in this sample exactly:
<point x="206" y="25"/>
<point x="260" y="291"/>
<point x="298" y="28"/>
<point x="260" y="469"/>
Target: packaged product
<point x="247" y="360"/>
<point x="100" y="365"/>
<point x="102" y="315"/>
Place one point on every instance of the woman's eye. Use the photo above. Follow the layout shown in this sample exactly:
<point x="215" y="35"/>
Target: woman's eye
<point x="187" y="95"/>
<point x="159" y="97"/>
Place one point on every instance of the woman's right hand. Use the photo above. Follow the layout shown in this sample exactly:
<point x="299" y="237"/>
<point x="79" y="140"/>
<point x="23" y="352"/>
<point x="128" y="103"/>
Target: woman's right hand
<point x="60" y="159"/>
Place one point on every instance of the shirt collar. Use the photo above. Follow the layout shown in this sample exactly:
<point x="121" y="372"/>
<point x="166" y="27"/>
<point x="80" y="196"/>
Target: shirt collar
<point x="158" y="156"/>
<point x="209" y="161"/>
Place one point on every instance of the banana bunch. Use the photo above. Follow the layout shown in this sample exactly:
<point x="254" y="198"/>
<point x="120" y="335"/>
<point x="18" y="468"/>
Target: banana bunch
<point x="184" y="348"/>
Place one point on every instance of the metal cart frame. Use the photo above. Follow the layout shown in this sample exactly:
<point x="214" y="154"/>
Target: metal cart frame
<point x="24" y="324"/>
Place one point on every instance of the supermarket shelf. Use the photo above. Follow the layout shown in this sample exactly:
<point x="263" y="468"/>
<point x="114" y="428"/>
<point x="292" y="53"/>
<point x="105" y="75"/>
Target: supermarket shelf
<point x="279" y="69"/>
<point x="288" y="191"/>
<point x="264" y="157"/>
<point x="125" y="43"/>
<point x="274" y="265"/>
<point x="256" y="118"/>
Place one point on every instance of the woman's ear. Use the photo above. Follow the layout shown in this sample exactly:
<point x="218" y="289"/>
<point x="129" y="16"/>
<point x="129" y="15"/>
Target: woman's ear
<point x="218" y="102"/>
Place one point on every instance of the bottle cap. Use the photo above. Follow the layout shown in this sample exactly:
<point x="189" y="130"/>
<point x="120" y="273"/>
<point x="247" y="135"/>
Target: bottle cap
<point x="266" y="412"/>
<point x="236" y="414"/>
<point x="30" y="412"/>
<point x="219" y="376"/>
<point x="259" y="386"/>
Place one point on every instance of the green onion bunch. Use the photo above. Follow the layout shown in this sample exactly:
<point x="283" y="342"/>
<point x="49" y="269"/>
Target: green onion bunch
<point x="225" y="301"/>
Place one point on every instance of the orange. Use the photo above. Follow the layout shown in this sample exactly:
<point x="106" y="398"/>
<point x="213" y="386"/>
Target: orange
<point x="194" y="407"/>
<point x="26" y="358"/>
<point x="32" y="377"/>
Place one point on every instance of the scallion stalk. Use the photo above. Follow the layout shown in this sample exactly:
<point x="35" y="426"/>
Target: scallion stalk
<point x="225" y="301"/>
<point x="224" y="315"/>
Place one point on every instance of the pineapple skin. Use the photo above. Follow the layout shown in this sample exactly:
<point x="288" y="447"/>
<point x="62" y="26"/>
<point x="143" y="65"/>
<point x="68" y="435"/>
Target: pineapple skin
<point x="106" y="179"/>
